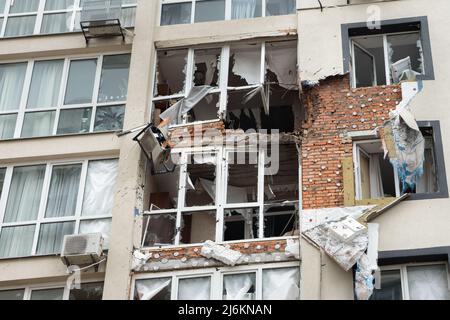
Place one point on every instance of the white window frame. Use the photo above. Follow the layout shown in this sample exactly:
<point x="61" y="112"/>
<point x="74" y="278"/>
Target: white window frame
<point x="221" y="204"/>
<point x="61" y="96"/>
<point x="78" y="218"/>
<point x="28" y="290"/>
<point x="216" y="275"/>
<point x="74" y="10"/>
<point x="403" y="268"/>
<point x="223" y="87"/>
<point x="384" y="37"/>
<point x="228" y="10"/>
<point x="357" y="170"/>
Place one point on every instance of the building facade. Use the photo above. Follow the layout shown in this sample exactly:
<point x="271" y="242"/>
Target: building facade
<point x="308" y="94"/>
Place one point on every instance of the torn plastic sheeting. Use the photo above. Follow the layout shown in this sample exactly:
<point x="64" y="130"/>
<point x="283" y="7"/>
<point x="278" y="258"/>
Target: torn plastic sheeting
<point x="237" y="286"/>
<point x="247" y="65"/>
<point x="283" y="62"/>
<point x="220" y="253"/>
<point x="194" y="288"/>
<point x="265" y="96"/>
<point x="139" y="260"/>
<point x="293" y="248"/>
<point x="281" y="284"/>
<point x="174" y="113"/>
<point x="364" y="279"/>
<point x="146" y="290"/>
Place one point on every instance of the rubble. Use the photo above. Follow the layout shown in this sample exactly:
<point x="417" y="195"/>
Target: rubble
<point x="215" y="251"/>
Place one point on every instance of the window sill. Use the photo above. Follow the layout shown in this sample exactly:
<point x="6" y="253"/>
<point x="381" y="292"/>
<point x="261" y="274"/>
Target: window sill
<point x="61" y="136"/>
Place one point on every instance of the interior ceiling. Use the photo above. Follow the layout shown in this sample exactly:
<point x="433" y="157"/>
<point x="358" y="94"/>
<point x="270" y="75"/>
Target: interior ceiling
<point x="377" y="41"/>
<point x="372" y="147"/>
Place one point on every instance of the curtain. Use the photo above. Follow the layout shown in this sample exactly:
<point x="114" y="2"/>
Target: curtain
<point x="428" y="182"/>
<point x="194" y="289"/>
<point x="128" y="17"/>
<point x="154" y="289"/>
<point x="176" y="13"/>
<point x="428" y="283"/>
<point x="280" y="7"/>
<point x="51" y="237"/>
<point x="20" y="6"/>
<point x="102" y="226"/>
<point x="58" y="4"/>
<point x="48" y="294"/>
<point x="239" y="286"/>
<point x="376" y="183"/>
<point x="114" y="78"/>
<point x="16" y="241"/>
<point x="100" y="186"/>
<point x="7" y="126"/>
<point x="38" y="124"/>
<point x="56" y="23"/>
<point x="11" y="84"/>
<point x="62" y="197"/>
<point x="281" y="284"/>
<point x="244" y="9"/>
<point x="20" y="26"/>
<point x="25" y="194"/>
<point x="45" y="84"/>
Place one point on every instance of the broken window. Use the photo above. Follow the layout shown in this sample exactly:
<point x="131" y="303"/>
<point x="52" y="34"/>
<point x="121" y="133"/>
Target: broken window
<point x="242" y="183"/>
<point x="201" y="180"/>
<point x="281" y="284"/>
<point x="414" y="282"/>
<point x="159" y="230"/>
<point x="280" y="220"/>
<point x="386" y="59"/>
<point x="170" y="72"/>
<point x="153" y="289"/>
<point x="198" y="227"/>
<point x="206" y="67"/>
<point x="241" y="224"/>
<point x="376" y="178"/>
<point x="239" y="286"/>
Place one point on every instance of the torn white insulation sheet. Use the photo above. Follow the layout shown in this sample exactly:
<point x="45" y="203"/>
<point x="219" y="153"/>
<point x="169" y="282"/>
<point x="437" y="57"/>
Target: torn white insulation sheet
<point x="220" y="253"/>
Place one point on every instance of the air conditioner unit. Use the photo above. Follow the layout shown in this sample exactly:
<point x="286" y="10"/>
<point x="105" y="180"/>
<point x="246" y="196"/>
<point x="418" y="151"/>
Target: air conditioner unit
<point x="82" y="249"/>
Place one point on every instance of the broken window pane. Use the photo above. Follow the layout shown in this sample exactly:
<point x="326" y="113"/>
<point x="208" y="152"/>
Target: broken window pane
<point x="209" y="10"/>
<point x="153" y="289"/>
<point x="201" y="180"/>
<point x="74" y="121"/>
<point x="109" y="118"/>
<point x="88" y="291"/>
<point x="164" y="190"/>
<point x="206" y="67"/>
<point x="405" y="56"/>
<point x="176" y="13"/>
<point x="428" y="182"/>
<point x="47" y="294"/>
<point x="194" y="288"/>
<point x="197" y="227"/>
<point x="281" y="175"/>
<point x="114" y="78"/>
<point x="244" y="9"/>
<point x="245" y="110"/>
<point x="245" y="65"/>
<point x="241" y="224"/>
<point x="239" y="286"/>
<point x="159" y="229"/>
<point x="280" y="7"/>
<point x="369" y="62"/>
<point x="391" y="286"/>
<point x="12" y="295"/>
<point x="170" y="72"/>
<point x="281" y="284"/>
<point x="280" y="221"/>
<point x="242" y="183"/>
<point x="281" y="64"/>
<point x="206" y="109"/>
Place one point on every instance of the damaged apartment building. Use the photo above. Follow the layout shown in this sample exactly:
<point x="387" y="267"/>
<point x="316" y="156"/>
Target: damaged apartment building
<point x="223" y="149"/>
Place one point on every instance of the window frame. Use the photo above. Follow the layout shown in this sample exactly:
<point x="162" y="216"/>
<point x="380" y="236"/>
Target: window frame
<point x="228" y="10"/>
<point x="77" y="218"/>
<point x="61" y="106"/>
<point x="221" y="204"/>
<point x="403" y="268"/>
<point x="216" y="275"/>
<point x="75" y="9"/>
<point x="28" y="290"/>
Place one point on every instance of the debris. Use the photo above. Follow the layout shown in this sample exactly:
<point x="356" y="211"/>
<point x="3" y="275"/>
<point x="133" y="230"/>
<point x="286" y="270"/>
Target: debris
<point x="228" y="256"/>
<point x="293" y="248"/>
<point x="139" y="260"/>
<point x="364" y="279"/>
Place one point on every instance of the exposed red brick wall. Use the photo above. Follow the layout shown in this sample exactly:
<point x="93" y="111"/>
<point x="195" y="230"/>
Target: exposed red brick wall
<point x="335" y="109"/>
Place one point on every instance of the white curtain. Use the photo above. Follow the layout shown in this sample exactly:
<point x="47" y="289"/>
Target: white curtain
<point x="100" y="187"/>
<point x="376" y="183"/>
<point x="58" y="4"/>
<point x="280" y="7"/>
<point x="281" y="284"/>
<point x="51" y="237"/>
<point x="128" y="17"/>
<point x="239" y="286"/>
<point x="25" y="194"/>
<point x="428" y="182"/>
<point x="62" y="197"/>
<point x="19" y="6"/>
<point x="7" y="126"/>
<point x="148" y="289"/>
<point x="194" y="289"/>
<point x="45" y="84"/>
<point x="95" y="226"/>
<point x="38" y="124"/>
<point x="56" y="23"/>
<point x="11" y="84"/>
<point x="428" y="283"/>
<point x="16" y="241"/>
<point x="20" y="26"/>
<point x="243" y="9"/>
